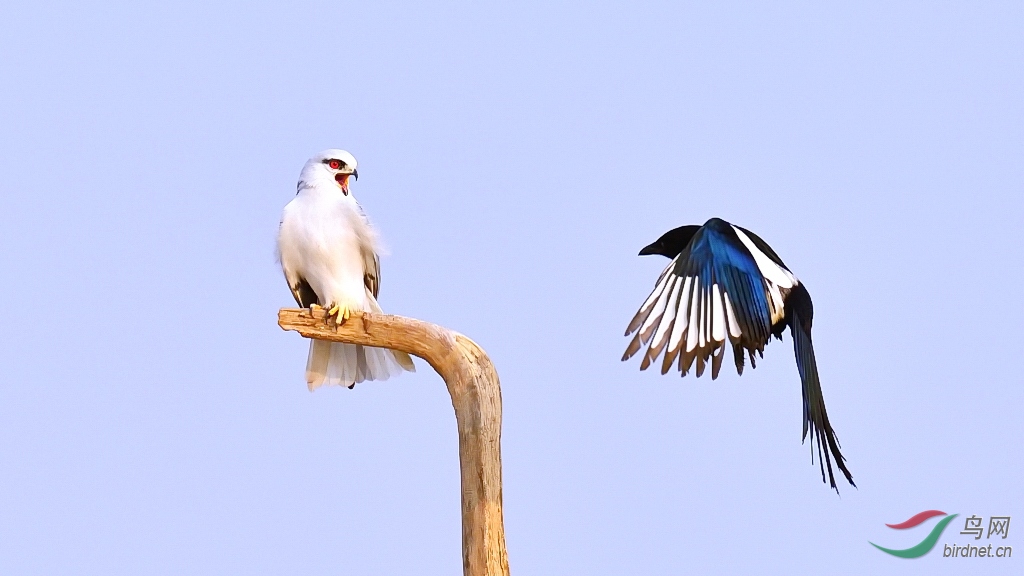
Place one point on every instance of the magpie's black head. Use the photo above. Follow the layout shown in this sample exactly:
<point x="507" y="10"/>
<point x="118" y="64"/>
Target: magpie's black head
<point x="671" y="243"/>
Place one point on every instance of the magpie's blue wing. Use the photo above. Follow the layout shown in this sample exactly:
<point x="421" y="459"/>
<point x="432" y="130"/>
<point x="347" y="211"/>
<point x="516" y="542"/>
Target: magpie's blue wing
<point x="719" y="289"/>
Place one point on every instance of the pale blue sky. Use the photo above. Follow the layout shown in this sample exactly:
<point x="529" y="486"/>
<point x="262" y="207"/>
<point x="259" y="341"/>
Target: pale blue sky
<point x="154" y="419"/>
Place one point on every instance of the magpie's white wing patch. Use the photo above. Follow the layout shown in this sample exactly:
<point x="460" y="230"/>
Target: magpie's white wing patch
<point x="776" y="277"/>
<point x="771" y="271"/>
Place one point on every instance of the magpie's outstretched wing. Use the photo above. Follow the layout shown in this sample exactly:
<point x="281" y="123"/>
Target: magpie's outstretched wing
<point x="715" y="290"/>
<point x="726" y="285"/>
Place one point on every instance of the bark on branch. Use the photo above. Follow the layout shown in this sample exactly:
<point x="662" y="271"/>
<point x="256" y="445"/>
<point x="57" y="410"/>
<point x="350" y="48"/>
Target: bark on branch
<point x="476" y="396"/>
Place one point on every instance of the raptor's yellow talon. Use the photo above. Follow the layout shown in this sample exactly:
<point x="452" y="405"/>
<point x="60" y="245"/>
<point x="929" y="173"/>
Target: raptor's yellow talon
<point x="339" y="314"/>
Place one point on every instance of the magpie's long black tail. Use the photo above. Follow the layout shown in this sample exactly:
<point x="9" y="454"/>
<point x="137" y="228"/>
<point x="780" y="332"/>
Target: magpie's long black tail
<point x="815" y="416"/>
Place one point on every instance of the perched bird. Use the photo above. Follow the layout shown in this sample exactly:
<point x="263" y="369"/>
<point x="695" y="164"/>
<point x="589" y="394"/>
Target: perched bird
<point x="328" y="252"/>
<point x="726" y="284"/>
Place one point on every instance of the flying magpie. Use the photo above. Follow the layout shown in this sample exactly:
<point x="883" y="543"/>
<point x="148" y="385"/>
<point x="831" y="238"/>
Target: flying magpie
<point x="725" y="283"/>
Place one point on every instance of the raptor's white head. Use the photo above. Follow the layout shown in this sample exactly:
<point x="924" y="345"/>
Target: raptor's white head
<point x="330" y="167"/>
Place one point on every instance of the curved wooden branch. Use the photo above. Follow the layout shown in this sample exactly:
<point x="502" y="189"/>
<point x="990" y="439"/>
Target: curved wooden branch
<point x="476" y="396"/>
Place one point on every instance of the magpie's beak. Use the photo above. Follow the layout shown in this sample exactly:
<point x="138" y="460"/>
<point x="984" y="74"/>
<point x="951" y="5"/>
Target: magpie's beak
<point x="651" y="249"/>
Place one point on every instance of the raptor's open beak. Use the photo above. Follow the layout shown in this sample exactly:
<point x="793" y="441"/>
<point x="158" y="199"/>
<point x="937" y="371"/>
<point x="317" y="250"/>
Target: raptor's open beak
<point x="342" y="179"/>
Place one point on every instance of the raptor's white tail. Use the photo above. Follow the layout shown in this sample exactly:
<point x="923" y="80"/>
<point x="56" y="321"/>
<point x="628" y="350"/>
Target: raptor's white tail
<point x="336" y="364"/>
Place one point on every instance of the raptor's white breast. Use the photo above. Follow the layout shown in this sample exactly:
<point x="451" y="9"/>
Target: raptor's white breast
<point x="323" y="239"/>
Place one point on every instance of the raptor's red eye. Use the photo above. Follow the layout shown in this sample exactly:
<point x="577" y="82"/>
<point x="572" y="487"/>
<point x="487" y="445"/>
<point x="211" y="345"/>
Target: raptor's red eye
<point x="334" y="164"/>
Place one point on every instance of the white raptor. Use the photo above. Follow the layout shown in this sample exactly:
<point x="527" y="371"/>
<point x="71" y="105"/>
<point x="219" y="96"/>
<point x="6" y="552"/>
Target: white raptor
<point x="328" y="251"/>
